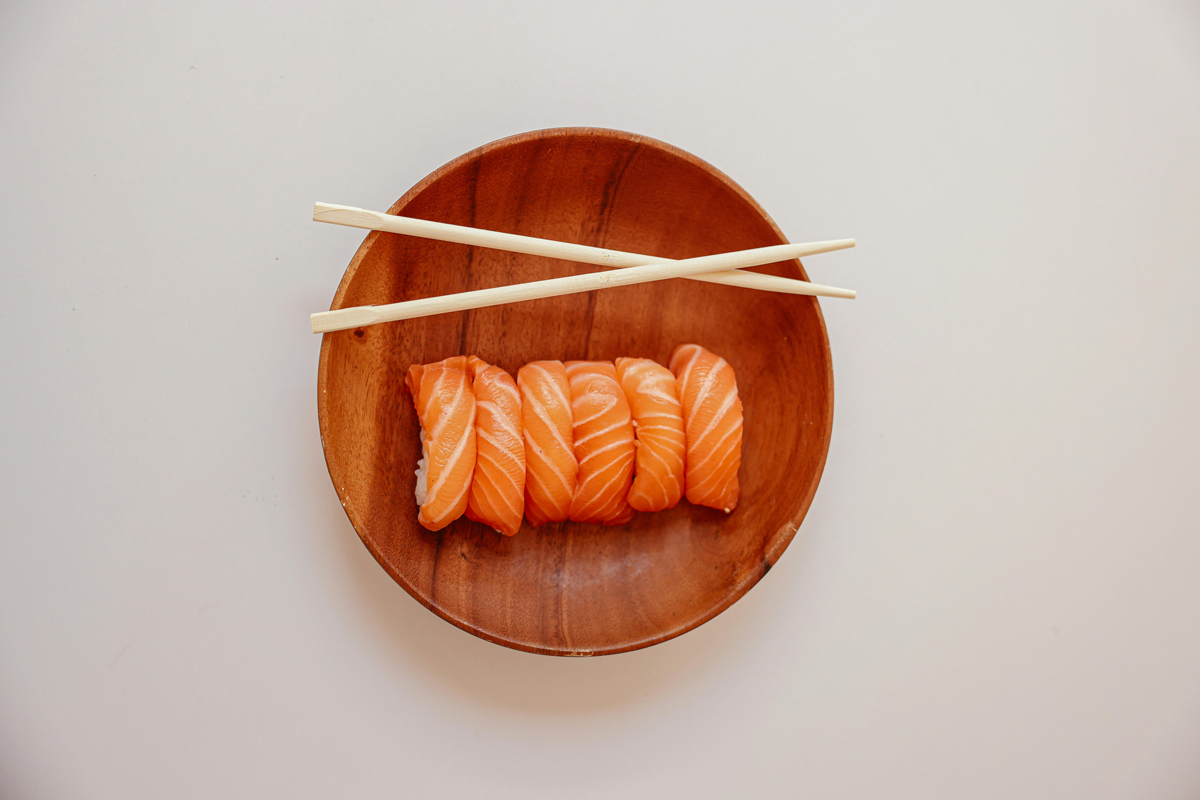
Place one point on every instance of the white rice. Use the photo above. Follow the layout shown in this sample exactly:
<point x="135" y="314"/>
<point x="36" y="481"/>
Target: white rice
<point x="423" y="471"/>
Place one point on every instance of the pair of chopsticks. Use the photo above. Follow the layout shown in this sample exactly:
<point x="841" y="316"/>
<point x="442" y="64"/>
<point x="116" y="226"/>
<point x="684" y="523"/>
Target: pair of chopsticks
<point x="634" y="268"/>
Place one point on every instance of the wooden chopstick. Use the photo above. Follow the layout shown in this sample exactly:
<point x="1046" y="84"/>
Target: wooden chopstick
<point x="358" y="316"/>
<point x="515" y="243"/>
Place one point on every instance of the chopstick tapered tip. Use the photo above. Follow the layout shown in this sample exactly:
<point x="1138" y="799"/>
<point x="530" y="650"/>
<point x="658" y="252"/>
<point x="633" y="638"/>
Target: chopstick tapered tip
<point x="344" y="215"/>
<point x="343" y="319"/>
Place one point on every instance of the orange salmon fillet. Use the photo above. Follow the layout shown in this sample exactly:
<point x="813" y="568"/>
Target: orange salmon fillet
<point x="446" y="407"/>
<point x="497" y="496"/>
<point x="658" y="424"/>
<point x="604" y="444"/>
<point x="712" y="416"/>
<point x="550" y="466"/>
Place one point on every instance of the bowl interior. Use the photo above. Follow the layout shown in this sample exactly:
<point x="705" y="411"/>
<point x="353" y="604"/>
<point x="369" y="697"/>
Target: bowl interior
<point x="572" y="589"/>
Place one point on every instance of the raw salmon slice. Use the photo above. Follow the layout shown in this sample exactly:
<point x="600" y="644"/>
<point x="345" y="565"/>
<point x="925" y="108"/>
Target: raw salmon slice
<point x="446" y="407"/>
<point x="497" y="495"/>
<point x="712" y="417"/>
<point x="604" y="444"/>
<point x="658" y="476"/>
<point x="550" y="466"/>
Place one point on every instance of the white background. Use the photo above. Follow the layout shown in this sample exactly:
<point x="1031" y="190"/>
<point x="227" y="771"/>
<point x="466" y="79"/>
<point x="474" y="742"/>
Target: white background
<point x="996" y="593"/>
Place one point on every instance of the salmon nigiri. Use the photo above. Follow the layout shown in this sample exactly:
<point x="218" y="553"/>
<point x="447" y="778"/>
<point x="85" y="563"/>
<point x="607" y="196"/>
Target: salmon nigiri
<point x="550" y="466"/>
<point x="446" y="407"/>
<point x="603" y="444"/>
<point x="712" y="417"/>
<point x="658" y="424"/>
<point x="497" y="496"/>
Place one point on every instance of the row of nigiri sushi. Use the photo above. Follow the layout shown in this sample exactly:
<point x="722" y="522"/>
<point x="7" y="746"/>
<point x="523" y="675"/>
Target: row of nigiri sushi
<point x="588" y="441"/>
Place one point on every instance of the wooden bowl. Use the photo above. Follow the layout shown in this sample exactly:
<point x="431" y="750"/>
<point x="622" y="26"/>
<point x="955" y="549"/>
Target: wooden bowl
<point x="572" y="589"/>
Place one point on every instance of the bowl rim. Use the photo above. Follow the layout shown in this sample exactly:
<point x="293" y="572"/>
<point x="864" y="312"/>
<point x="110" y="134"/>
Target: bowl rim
<point x="778" y="542"/>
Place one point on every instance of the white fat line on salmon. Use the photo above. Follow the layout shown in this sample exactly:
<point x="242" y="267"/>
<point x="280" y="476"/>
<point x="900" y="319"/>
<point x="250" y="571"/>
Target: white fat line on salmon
<point x="717" y="418"/>
<point x="540" y="412"/>
<point x="448" y="409"/>
<point x="674" y="412"/>
<point x="614" y="445"/>
<point x="645" y="372"/>
<point x="617" y="466"/>
<point x="457" y="499"/>
<point x="550" y="463"/>
<point x="669" y="428"/>
<point x="664" y="447"/>
<point x="552" y="383"/>
<point x="706" y="386"/>
<point x="610" y="402"/>
<point x="641" y="476"/>
<point x="612" y="508"/>
<point x="721" y="487"/>
<point x="427" y="396"/>
<point x="495" y="414"/>
<point x="503" y="467"/>
<point x="533" y="485"/>
<point x="510" y="388"/>
<point x="684" y="374"/>
<point x="660" y="395"/>
<point x="652" y="452"/>
<point x="719" y="445"/>
<point x="618" y="424"/>
<point x="513" y="506"/>
<point x="493" y="490"/>
<point x="452" y="461"/>
<point x="503" y="463"/>
<point x="500" y="446"/>
<point x="727" y="458"/>
<point x="598" y="494"/>
<point x="509" y="419"/>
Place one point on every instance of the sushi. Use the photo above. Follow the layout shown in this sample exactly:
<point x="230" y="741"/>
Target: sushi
<point x="497" y="495"/>
<point x="586" y="441"/>
<point x="604" y="444"/>
<point x="550" y="466"/>
<point x="658" y="425"/>
<point x="712" y="416"/>
<point x="445" y="405"/>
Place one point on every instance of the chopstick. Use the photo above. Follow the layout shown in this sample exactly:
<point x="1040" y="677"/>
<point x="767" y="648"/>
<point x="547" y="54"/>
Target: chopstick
<point x="358" y="316"/>
<point x="515" y="243"/>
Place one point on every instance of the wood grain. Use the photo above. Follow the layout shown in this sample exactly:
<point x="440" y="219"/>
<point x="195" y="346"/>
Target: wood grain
<point x="572" y="589"/>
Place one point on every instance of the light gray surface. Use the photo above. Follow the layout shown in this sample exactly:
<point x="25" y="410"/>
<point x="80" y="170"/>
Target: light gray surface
<point x="996" y="593"/>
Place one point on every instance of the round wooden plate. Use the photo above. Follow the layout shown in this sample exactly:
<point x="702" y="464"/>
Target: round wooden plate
<point x="571" y="589"/>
